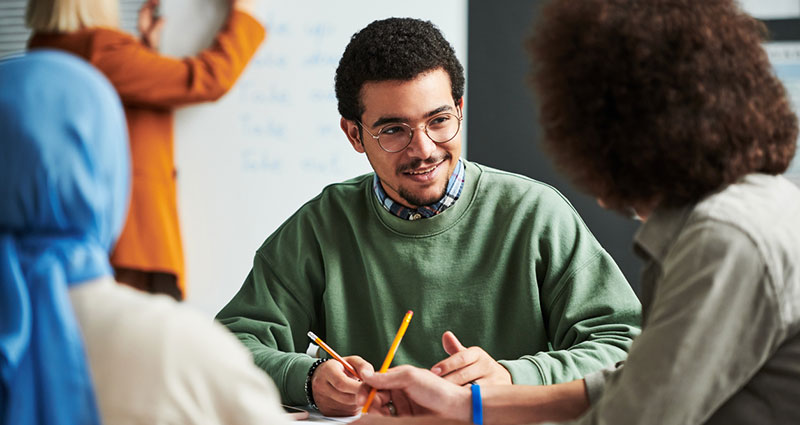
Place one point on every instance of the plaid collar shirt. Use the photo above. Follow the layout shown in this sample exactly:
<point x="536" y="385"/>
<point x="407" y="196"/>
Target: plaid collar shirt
<point x="451" y="194"/>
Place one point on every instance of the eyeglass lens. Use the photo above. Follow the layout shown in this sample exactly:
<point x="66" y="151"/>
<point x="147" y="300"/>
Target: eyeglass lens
<point x="441" y="128"/>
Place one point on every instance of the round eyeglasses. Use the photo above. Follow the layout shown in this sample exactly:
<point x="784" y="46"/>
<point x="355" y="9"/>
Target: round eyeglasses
<point x="395" y="137"/>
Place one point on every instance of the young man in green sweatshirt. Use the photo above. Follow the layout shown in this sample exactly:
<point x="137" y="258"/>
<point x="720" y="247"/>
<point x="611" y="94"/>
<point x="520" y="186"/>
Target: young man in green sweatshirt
<point x="500" y="260"/>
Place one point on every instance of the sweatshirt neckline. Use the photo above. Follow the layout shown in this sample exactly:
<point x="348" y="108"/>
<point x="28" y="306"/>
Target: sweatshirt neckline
<point x="433" y="225"/>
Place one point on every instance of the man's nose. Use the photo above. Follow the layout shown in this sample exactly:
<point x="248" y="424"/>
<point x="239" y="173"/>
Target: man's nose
<point x="421" y="145"/>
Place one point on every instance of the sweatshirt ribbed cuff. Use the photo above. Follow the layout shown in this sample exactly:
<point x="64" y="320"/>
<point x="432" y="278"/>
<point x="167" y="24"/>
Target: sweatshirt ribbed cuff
<point x="296" y="380"/>
<point x="524" y="372"/>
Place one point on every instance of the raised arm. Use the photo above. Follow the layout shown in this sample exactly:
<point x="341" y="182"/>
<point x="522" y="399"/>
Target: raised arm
<point x="144" y="77"/>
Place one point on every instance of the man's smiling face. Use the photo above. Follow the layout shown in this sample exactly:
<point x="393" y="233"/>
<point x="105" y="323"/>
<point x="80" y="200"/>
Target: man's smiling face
<point x="417" y="175"/>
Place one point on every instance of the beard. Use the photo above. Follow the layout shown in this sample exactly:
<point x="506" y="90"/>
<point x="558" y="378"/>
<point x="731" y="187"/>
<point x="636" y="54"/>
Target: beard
<point x="418" y="199"/>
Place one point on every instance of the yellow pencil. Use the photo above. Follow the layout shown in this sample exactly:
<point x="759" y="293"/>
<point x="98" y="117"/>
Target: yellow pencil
<point x="390" y="355"/>
<point x="333" y="354"/>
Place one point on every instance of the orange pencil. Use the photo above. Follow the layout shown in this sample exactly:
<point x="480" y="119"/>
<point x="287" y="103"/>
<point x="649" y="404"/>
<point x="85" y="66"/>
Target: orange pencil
<point x="390" y="355"/>
<point x="333" y="354"/>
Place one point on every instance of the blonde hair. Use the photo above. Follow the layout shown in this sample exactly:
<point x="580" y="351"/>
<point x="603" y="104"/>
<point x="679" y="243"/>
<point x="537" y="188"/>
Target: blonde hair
<point x="71" y="15"/>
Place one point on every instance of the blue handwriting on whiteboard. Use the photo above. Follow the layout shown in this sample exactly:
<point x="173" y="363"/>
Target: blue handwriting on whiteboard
<point x="262" y="128"/>
<point x="258" y="160"/>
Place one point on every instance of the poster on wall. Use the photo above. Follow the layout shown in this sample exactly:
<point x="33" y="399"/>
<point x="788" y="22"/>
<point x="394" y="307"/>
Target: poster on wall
<point x="785" y="58"/>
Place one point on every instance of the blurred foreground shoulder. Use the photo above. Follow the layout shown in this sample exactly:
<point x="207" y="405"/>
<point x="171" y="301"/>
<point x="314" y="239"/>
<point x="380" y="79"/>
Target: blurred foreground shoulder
<point x="156" y="361"/>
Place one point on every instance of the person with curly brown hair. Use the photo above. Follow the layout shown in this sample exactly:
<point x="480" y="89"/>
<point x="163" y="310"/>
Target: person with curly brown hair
<point x="669" y="110"/>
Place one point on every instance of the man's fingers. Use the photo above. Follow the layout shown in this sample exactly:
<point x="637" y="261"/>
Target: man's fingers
<point x="402" y="405"/>
<point x="344" y="383"/>
<point x="381" y="398"/>
<point x="457" y="361"/>
<point x="424" y="391"/>
<point x="472" y="364"/>
<point x="419" y="420"/>
<point x="363" y="394"/>
<point x="466" y="375"/>
<point x="335" y="393"/>
<point x="330" y="407"/>
<point x="451" y="344"/>
<point x="361" y="366"/>
<point x="331" y="393"/>
<point x="346" y="398"/>
<point x="395" y="378"/>
<point x="378" y="406"/>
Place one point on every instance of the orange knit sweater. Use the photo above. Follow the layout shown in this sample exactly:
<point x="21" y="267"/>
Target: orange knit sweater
<point x="150" y="86"/>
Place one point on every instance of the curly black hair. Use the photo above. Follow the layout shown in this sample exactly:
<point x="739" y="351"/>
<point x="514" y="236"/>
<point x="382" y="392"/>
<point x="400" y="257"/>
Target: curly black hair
<point x="393" y="49"/>
<point x="658" y="102"/>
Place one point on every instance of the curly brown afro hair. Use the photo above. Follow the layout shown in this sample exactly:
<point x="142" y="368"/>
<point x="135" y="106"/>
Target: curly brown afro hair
<point x="393" y="49"/>
<point x="658" y="102"/>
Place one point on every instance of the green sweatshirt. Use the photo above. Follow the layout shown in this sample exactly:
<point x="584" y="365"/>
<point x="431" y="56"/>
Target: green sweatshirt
<point x="510" y="267"/>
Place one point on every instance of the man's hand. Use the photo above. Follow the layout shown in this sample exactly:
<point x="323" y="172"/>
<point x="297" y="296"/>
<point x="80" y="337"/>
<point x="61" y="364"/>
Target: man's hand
<point x="467" y="365"/>
<point x="414" y="391"/>
<point x="395" y="403"/>
<point x="336" y="392"/>
<point x="150" y="25"/>
<point x="420" y="420"/>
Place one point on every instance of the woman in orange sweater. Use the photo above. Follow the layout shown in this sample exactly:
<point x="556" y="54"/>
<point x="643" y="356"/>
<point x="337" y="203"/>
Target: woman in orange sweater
<point x="148" y="254"/>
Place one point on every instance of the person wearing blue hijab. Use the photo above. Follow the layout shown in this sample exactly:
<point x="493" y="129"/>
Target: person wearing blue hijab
<point x="76" y="347"/>
<point x="64" y="184"/>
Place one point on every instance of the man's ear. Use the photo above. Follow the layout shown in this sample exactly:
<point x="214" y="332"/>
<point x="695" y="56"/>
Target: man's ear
<point x="353" y="134"/>
<point x="460" y="102"/>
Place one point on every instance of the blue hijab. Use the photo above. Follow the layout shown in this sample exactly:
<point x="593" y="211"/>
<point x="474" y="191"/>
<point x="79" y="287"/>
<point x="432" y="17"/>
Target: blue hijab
<point x="64" y="182"/>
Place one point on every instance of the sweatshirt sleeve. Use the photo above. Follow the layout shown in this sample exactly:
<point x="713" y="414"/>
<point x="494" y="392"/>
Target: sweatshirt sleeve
<point x="282" y="299"/>
<point x="276" y="336"/>
<point x="144" y="77"/>
<point x="590" y="311"/>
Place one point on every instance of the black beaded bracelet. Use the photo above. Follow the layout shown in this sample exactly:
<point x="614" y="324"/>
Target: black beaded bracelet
<point x="309" y="392"/>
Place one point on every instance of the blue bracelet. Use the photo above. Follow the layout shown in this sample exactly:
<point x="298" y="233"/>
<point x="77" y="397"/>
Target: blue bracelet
<point x="477" y="405"/>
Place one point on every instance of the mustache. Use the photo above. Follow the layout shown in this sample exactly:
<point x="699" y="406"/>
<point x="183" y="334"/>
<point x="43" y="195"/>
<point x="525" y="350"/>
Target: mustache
<point x="417" y="163"/>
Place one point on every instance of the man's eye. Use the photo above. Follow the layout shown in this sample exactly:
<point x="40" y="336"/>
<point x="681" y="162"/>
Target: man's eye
<point x="439" y="120"/>
<point x="395" y="129"/>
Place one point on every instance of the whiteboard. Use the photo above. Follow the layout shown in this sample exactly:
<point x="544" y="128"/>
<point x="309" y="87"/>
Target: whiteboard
<point x="250" y="160"/>
<point x="771" y="9"/>
<point x="785" y="58"/>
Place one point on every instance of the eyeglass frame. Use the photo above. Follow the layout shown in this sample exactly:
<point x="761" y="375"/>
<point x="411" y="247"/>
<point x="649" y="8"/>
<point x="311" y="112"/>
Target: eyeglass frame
<point x="459" y="116"/>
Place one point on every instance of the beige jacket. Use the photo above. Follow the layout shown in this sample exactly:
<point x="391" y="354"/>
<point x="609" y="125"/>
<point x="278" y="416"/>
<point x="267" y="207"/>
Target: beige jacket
<point x="154" y="361"/>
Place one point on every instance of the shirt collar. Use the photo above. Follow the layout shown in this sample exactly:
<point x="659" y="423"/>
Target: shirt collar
<point x="658" y="232"/>
<point x="451" y="194"/>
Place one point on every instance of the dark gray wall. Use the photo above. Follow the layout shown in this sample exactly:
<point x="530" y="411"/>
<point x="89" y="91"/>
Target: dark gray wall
<point x="503" y="129"/>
